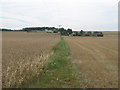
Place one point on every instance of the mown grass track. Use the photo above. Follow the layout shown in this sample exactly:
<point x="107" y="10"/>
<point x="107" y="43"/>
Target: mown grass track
<point x="60" y="73"/>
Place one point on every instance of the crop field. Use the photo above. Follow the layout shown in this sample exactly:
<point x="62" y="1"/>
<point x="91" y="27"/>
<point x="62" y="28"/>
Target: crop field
<point x="0" y="60"/>
<point x="23" y="53"/>
<point x="96" y="59"/>
<point x="54" y="62"/>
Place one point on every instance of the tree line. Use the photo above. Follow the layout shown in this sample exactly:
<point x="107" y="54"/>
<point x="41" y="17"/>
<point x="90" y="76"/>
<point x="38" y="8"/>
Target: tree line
<point x="62" y="31"/>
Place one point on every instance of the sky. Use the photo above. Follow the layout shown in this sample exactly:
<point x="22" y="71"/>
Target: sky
<point x="74" y="14"/>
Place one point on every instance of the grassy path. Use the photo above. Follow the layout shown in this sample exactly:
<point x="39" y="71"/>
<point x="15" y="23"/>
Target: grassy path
<point x="60" y="72"/>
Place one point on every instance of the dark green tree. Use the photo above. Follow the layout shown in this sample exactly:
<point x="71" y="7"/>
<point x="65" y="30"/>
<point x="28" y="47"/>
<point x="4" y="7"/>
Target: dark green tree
<point x="69" y="31"/>
<point x="81" y="32"/>
<point x="63" y="31"/>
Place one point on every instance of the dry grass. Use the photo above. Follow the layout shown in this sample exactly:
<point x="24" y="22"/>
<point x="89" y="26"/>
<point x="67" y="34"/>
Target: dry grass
<point x="23" y="53"/>
<point x="96" y="59"/>
<point x="0" y="60"/>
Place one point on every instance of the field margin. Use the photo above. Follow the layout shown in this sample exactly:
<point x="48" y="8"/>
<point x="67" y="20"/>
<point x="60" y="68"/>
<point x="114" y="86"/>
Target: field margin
<point x="59" y="71"/>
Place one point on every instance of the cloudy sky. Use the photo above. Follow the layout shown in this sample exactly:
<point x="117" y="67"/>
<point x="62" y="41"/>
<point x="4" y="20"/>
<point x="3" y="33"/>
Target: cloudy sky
<point x="74" y="14"/>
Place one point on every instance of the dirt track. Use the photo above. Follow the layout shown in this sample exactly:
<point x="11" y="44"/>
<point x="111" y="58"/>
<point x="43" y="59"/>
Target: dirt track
<point x="96" y="59"/>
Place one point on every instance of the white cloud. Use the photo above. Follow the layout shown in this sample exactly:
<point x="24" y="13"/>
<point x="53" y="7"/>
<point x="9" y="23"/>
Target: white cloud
<point x="76" y="14"/>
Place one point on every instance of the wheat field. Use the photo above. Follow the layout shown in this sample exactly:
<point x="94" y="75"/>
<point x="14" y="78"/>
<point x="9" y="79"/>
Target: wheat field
<point x="96" y="59"/>
<point x="23" y="53"/>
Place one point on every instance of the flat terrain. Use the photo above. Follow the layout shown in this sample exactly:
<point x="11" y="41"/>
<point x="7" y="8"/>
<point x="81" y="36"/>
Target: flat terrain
<point x="96" y="59"/>
<point x="23" y="54"/>
<point x="59" y="72"/>
<point x="0" y="60"/>
<point x="93" y="64"/>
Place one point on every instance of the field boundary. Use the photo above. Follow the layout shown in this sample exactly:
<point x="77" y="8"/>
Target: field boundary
<point x="25" y="56"/>
<point x="59" y="71"/>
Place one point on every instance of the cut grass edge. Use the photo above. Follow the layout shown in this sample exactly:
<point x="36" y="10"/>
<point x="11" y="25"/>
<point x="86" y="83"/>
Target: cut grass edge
<point x="59" y="72"/>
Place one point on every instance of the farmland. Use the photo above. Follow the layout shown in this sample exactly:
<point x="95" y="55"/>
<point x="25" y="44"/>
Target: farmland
<point x="96" y="59"/>
<point x="52" y="62"/>
<point x="0" y="60"/>
<point x="23" y="53"/>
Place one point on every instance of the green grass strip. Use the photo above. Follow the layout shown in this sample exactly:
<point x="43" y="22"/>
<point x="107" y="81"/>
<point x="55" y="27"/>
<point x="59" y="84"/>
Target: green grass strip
<point x="60" y="72"/>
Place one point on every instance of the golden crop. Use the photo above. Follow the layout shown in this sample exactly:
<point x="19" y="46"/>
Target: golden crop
<point x="23" y="53"/>
<point x="96" y="59"/>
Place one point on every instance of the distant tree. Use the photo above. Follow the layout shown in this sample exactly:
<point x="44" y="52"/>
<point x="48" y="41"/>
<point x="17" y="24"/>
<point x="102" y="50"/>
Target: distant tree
<point x="38" y="28"/>
<point x="6" y="29"/>
<point x="55" y="31"/>
<point x="69" y="31"/>
<point x="81" y="32"/>
<point x="63" y="31"/>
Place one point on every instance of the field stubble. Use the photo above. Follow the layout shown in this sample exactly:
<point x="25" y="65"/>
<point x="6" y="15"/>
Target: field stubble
<point x="96" y="59"/>
<point x="0" y="60"/>
<point x="23" y="54"/>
